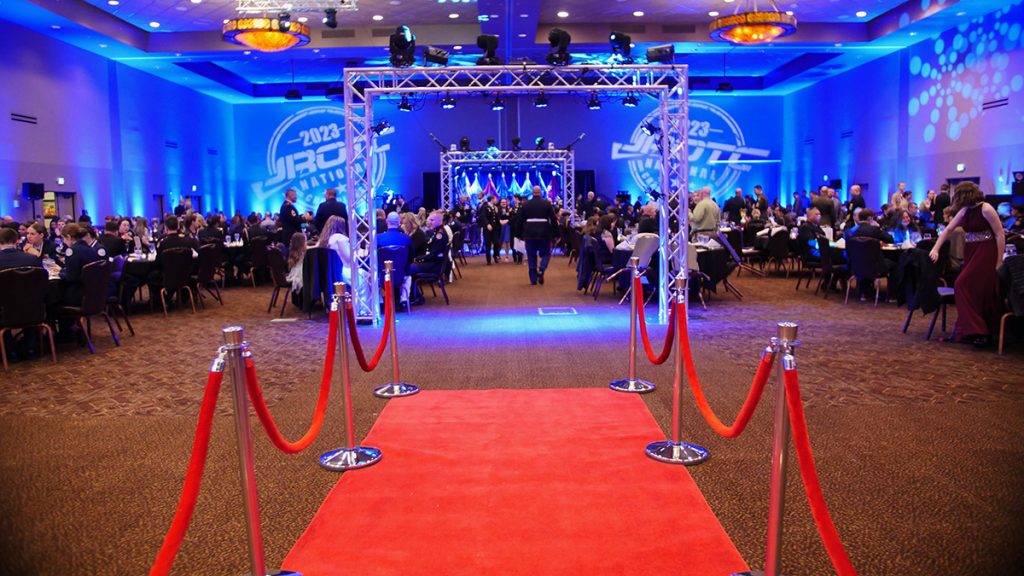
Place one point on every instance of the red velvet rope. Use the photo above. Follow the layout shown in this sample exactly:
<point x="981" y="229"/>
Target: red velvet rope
<point x="669" y="336"/>
<point x="263" y="413"/>
<point x="193" y="478"/>
<point x="764" y="370"/>
<point x="809" y="475"/>
<point x="354" y="332"/>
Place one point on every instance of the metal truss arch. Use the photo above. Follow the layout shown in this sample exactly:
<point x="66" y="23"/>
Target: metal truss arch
<point x="364" y="85"/>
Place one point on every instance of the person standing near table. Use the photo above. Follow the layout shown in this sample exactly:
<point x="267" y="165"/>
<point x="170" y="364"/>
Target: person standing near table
<point x="329" y="207"/>
<point x="487" y="217"/>
<point x="537" y="220"/>
<point x="977" y="287"/>
<point x="289" y="218"/>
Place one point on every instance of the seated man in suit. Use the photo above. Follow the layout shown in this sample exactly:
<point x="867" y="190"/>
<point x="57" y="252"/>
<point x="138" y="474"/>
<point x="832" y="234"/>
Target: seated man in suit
<point x="810" y="232"/>
<point x="394" y="236"/>
<point x="10" y="256"/>
<point x="212" y="232"/>
<point x="112" y="243"/>
<point x="866" y="226"/>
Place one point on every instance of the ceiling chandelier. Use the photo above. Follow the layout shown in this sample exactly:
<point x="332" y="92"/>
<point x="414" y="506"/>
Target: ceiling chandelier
<point x="266" y="34"/>
<point x="255" y="27"/>
<point x="750" y="25"/>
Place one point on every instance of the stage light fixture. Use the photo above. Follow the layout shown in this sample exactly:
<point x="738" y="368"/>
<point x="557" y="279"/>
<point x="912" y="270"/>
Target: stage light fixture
<point x="516" y="144"/>
<point x="331" y="17"/>
<point x="539" y="142"/>
<point x="434" y="55"/>
<point x="725" y="87"/>
<point x="293" y="94"/>
<point x="402" y="47"/>
<point x="663" y="54"/>
<point x="448" y="102"/>
<point x="621" y="48"/>
<point x="380" y="127"/>
<point x="335" y="93"/>
<point x="490" y="142"/>
<point x="649" y="129"/>
<point x="559" y="54"/>
<point x="489" y="44"/>
<point x="541" y="101"/>
<point x="404" y="105"/>
<point x="284" y="21"/>
<point x="594" y="103"/>
<point x="497" y="104"/>
<point x="464" y="144"/>
<point x="630" y="101"/>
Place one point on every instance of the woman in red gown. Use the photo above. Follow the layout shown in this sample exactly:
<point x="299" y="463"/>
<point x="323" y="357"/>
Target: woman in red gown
<point x="977" y="286"/>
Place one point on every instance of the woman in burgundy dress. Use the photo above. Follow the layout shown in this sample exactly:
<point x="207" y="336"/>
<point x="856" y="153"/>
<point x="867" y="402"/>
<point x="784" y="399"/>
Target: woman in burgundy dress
<point x="977" y="286"/>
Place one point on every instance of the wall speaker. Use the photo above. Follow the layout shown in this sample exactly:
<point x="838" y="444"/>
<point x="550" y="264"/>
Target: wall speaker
<point x="836" y="184"/>
<point x="32" y="190"/>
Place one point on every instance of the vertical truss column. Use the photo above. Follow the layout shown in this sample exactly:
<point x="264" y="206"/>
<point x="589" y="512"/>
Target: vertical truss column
<point x="362" y="225"/>
<point x="447" y="198"/>
<point x="675" y="188"/>
<point x="569" y="186"/>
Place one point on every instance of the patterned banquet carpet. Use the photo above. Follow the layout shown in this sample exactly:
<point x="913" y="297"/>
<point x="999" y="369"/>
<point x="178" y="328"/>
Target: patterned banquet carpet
<point x="920" y="444"/>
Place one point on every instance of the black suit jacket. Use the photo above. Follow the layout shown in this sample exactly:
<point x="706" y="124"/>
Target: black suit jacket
<point x="112" y="245"/>
<point x="14" y="258"/>
<point x="940" y="203"/>
<point x="289" y="220"/>
<point x="175" y="241"/>
<point x="329" y="208"/>
<point x="866" y="229"/>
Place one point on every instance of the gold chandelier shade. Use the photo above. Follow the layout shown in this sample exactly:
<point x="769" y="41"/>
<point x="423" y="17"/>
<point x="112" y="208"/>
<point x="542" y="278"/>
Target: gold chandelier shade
<point x="752" y="27"/>
<point x="264" y="34"/>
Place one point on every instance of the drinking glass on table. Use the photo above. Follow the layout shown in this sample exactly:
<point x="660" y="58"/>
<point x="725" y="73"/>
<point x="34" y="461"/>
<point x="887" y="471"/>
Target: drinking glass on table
<point x="238" y="237"/>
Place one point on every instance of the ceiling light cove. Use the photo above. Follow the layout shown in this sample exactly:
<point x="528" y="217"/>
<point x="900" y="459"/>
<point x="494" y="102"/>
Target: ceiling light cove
<point x="562" y="14"/>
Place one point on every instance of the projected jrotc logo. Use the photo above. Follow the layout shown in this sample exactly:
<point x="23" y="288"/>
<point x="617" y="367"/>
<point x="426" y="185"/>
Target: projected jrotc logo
<point x="716" y="145"/>
<point x="307" y="152"/>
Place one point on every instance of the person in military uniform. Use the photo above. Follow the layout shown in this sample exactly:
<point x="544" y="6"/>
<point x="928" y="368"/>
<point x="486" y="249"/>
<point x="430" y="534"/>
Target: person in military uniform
<point x="289" y="218"/>
<point x="490" y="224"/>
<point x="112" y="244"/>
<point x="77" y="255"/>
<point x="538" y="222"/>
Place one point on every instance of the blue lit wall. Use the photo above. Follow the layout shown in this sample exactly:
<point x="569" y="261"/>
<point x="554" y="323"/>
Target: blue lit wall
<point x="298" y="144"/>
<point x="915" y="115"/>
<point x="116" y="135"/>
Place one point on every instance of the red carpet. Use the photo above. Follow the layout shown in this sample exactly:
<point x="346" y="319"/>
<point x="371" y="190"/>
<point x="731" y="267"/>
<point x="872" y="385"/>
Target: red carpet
<point x="515" y="482"/>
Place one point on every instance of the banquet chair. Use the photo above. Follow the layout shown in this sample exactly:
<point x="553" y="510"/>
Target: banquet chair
<point x="829" y="271"/>
<point x="809" y="264"/>
<point x="23" y="305"/>
<point x="116" y="298"/>
<point x="399" y="256"/>
<point x="864" y="255"/>
<point x="453" y="255"/>
<point x="459" y="248"/>
<point x="600" y="272"/>
<point x="279" y="276"/>
<point x="95" y="278"/>
<point x="211" y="256"/>
<point x="176" y="264"/>
<point x="694" y="275"/>
<point x="258" y="256"/>
<point x="644" y="247"/>
<point x="778" y="250"/>
<point x="575" y="243"/>
<point x="433" y="278"/>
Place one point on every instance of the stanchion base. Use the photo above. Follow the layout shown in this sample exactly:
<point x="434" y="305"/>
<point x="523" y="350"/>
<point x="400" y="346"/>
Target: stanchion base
<point x="637" y="386"/>
<point x="396" y="390"/>
<point x="750" y="573"/>
<point x="280" y="573"/>
<point x="671" y="453"/>
<point x="349" y="458"/>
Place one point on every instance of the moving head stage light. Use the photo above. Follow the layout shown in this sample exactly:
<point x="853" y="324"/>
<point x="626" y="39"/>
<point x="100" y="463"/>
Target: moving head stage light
<point x="489" y="44"/>
<point x="402" y="47"/>
<point x="621" y="46"/>
<point x="559" y="54"/>
<point x="663" y="54"/>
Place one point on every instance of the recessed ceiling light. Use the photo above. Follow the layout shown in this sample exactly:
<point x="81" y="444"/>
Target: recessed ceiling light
<point x="789" y="12"/>
<point x="377" y="17"/>
<point x="113" y="2"/>
<point x="524" y="15"/>
<point x="197" y="1"/>
<point x="247" y="52"/>
<point x="303" y="19"/>
<point x="839" y="44"/>
<point x="55" y="27"/>
<point x="103" y="45"/>
<point x="494" y="15"/>
<point x="638" y="13"/>
<point x="522" y="35"/>
<point x="861" y="14"/>
<point x="713" y="13"/>
<point x="961" y="13"/>
<point x="316" y="50"/>
<point x="154" y="24"/>
<point x="453" y="15"/>
<point x="913" y="33"/>
<point x="226" y="21"/>
<point x="729" y="1"/>
<point x="395" y="2"/>
<point x="456" y="47"/>
<point x="562" y="14"/>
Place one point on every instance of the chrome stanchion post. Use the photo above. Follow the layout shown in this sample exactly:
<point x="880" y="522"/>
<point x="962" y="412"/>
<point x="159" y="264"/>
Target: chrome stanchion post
<point x="349" y="456"/>
<point x="783" y="345"/>
<point x="633" y="384"/>
<point x="675" y="451"/>
<point x="234" y="339"/>
<point x="397" y="388"/>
